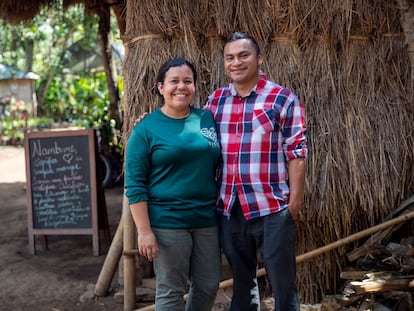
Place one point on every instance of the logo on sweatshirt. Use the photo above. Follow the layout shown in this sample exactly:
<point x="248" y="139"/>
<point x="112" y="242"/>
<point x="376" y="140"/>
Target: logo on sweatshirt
<point x="211" y="135"/>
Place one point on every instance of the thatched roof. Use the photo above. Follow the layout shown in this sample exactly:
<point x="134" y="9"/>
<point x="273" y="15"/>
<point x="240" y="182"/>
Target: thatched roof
<point x="10" y="72"/>
<point x="14" y="12"/>
<point x="17" y="11"/>
<point x="349" y="63"/>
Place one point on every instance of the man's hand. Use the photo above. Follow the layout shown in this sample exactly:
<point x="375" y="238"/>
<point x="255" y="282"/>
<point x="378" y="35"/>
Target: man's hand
<point x="297" y="171"/>
<point x="294" y="210"/>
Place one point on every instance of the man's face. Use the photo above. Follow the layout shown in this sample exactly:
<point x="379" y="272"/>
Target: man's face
<point x="241" y="62"/>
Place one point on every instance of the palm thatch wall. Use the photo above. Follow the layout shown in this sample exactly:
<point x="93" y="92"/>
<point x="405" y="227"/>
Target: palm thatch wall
<point x="348" y="62"/>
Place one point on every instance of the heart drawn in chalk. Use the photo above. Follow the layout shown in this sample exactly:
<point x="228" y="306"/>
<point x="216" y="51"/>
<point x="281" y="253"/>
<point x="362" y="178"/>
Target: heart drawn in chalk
<point x="67" y="157"/>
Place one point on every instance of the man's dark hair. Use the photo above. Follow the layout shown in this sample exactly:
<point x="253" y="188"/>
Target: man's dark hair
<point x="174" y="62"/>
<point x="241" y="35"/>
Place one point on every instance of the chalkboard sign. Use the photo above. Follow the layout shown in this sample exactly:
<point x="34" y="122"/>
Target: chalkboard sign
<point x="61" y="184"/>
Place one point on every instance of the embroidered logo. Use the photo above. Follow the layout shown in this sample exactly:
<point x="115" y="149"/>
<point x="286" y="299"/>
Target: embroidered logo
<point x="211" y="135"/>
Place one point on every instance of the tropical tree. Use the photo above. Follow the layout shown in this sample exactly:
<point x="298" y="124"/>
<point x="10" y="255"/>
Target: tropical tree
<point x="43" y="45"/>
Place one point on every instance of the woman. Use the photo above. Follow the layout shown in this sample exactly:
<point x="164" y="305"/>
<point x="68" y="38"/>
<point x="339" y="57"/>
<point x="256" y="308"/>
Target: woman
<point x="171" y="161"/>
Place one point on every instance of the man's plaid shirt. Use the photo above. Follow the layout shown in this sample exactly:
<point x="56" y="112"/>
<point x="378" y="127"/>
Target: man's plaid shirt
<point x="259" y="134"/>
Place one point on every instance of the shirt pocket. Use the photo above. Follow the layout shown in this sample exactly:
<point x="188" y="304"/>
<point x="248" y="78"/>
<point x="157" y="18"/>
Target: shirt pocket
<point x="262" y="122"/>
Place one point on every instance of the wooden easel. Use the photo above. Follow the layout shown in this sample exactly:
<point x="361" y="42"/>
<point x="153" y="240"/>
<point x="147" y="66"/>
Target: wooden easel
<point x="103" y="222"/>
<point x="58" y="152"/>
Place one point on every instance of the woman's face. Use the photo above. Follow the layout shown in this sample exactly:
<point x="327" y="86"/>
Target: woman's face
<point x="178" y="88"/>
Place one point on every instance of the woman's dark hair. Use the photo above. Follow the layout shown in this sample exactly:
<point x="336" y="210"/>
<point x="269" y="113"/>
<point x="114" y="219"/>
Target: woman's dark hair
<point x="241" y="35"/>
<point x="174" y="62"/>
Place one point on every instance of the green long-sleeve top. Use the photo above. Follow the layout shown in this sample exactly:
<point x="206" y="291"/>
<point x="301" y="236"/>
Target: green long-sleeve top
<point x="171" y="164"/>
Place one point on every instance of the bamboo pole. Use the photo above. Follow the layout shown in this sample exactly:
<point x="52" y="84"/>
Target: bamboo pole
<point x="129" y="261"/>
<point x="352" y="237"/>
<point x="131" y="252"/>
<point x="326" y="248"/>
<point x="111" y="262"/>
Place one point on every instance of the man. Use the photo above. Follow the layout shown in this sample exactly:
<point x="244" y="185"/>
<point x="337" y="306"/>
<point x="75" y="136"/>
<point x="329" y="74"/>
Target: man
<point x="261" y="128"/>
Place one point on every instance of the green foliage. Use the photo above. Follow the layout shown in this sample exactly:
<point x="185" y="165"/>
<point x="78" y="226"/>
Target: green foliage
<point x="11" y="124"/>
<point x="43" y="46"/>
<point x="40" y="122"/>
<point x="82" y="100"/>
<point x="14" y="125"/>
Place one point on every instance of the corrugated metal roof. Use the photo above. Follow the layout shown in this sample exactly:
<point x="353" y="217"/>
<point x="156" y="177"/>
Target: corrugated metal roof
<point x="10" y="72"/>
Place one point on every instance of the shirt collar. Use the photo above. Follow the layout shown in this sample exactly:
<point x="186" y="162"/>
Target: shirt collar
<point x="260" y="85"/>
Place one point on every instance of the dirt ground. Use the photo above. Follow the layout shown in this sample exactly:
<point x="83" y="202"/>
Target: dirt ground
<point x="61" y="278"/>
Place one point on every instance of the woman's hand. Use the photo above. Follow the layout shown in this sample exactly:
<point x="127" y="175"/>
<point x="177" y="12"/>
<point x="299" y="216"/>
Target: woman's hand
<point x="147" y="242"/>
<point x="147" y="245"/>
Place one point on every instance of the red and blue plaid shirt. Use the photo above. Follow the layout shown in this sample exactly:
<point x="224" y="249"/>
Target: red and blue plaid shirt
<point x="259" y="134"/>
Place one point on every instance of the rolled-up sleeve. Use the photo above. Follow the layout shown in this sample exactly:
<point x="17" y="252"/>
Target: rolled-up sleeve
<point x="294" y="130"/>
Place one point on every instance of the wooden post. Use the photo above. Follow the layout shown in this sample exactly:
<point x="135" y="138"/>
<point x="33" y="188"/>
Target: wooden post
<point x="111" y="262"/>
<point x="129" y="261"/>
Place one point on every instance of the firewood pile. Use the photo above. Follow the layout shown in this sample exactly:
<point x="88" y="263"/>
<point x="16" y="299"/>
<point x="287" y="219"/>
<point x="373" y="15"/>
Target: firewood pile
<point x="381" y="271"/>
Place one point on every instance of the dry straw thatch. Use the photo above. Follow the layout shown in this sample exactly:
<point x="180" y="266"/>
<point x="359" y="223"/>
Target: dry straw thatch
<point x="348" y="63"/>
<point x="26" y="9"/>
<point x="15" y="11"/>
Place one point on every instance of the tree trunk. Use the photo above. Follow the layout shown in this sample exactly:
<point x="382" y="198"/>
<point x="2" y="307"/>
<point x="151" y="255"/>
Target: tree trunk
<point x="118" y="7"/>
<point x="52" y="72"/>
<point x="106" y="50"/>
<point x="29" y="49"/>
